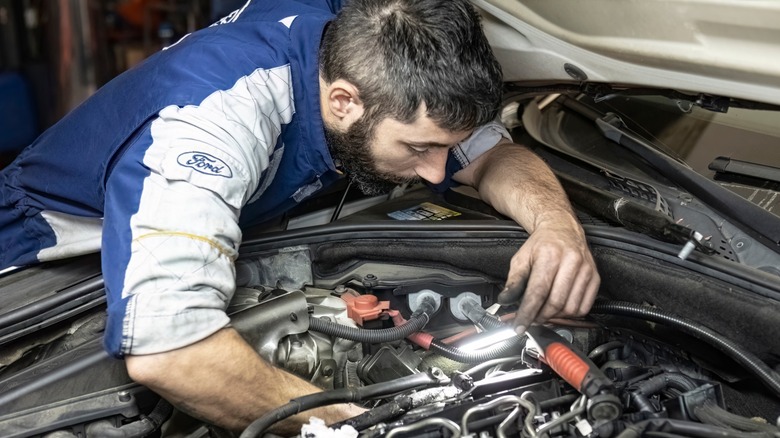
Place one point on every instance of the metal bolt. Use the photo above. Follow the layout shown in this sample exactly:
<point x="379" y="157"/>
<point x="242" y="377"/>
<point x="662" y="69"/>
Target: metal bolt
<point x="370" y="280"/>
<point x="327" y="371"/>
<point x="124" y="396"/>
<point x="293" y="317"/>
<point x="740" y="244"/>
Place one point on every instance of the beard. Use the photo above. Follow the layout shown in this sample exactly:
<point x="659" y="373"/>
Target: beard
<point x="352" y="149"/>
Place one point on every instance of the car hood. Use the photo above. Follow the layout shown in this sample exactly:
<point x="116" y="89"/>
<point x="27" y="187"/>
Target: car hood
<point x="724" y="48"/>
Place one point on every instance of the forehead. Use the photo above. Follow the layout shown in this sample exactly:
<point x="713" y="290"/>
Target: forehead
<point x="422" y="131"/>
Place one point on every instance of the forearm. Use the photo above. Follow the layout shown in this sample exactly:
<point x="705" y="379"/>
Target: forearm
<point x="518" y="184"/>
<point x="224" y="381"/>
<point x="553" y="273"/>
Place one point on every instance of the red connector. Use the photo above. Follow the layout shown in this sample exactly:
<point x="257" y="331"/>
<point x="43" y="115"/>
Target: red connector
<point x="364" y="307"/>
<point x="420" y="338"/>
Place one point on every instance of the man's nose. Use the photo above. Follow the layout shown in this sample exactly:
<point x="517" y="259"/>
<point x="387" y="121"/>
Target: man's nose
<point x="432" y="168"/>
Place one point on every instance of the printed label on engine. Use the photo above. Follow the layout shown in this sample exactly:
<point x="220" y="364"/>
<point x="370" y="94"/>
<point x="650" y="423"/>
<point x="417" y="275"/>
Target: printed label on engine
<point x="423" y="212"/>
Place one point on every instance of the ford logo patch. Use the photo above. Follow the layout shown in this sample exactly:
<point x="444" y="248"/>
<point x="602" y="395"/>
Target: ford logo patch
<point x="205" y="164"/>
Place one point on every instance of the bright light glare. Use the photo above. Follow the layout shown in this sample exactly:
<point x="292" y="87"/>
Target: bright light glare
<point x="485" y="342"/>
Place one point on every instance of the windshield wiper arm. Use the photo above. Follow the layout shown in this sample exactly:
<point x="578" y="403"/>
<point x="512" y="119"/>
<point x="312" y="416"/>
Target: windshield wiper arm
<point x="750" y="218"/>
<point x="634" y="216"/>
<point x="727" y="165"/>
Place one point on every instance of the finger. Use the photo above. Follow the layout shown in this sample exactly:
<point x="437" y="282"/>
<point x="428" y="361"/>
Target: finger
<point x="590" y="294"/>
<point x="536" y="293"/>
<point x="579" y="290"/>
<point x="516" y="282"/>
<point x="560" y="287"/>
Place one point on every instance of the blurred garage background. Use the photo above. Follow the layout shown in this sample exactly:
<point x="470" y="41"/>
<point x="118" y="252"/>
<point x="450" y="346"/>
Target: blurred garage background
<point x="55" y="53"/>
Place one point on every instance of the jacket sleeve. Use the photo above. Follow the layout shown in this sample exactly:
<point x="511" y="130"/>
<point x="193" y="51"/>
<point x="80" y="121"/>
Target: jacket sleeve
<point x="172" y="205"/>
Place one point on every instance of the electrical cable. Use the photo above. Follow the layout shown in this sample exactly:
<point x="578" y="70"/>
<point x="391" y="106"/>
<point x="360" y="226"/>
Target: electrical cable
<point x="343" y="395"/>
<point x="399" y="405"/>
<point x="500" y="349"/>
<point x="745" y="358"/>
<point x="472" y="330"/>
<point x="416" y="323"/>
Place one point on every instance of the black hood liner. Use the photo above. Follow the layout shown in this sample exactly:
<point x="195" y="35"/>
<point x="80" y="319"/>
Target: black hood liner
<point x="463" y="257"/>
<point x="739" y="315"/>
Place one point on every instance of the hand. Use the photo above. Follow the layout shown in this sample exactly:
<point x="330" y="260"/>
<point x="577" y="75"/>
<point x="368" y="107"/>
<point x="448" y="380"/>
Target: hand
<point x="554" y="274"/>
<point x="222" y="380"/>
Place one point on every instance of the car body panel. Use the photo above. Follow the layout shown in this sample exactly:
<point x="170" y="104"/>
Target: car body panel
<point x="724" y="48"/>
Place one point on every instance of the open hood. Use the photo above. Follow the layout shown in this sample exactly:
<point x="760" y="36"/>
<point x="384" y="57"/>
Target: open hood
<point x="722" y="48"/>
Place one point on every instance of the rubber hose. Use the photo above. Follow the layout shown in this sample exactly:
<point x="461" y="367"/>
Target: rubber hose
<point x="604" y="348"/>
<point x="713" y="414"/>
<point x="415" y="324"/>
<point x="344" y="395"/>
<point x="379" y="414"/>
<point x="685" y="428"/>
<point x="741" y="356"/>
<point x="656" y="384"/>
<point x="501" y="349"/>
<point x="161" y="413"/>
<point x="567" y="399"/>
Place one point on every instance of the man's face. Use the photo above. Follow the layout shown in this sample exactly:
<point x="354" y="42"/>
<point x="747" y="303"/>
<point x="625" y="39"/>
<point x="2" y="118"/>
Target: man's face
<point x="379" y="156"/>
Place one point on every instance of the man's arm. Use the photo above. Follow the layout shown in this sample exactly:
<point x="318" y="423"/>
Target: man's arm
<point x="553" y="271"/>
<point x="171" y="235"/>
<point x="221" y="379"/>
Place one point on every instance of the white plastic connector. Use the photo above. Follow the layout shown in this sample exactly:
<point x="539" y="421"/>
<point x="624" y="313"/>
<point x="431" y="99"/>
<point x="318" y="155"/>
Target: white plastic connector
<point x="415" y="299"/>
<point x="456" y="304"/>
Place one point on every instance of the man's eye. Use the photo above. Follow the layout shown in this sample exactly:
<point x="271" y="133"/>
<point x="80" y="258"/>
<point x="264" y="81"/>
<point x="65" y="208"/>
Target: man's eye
<point x="419" y="150"/>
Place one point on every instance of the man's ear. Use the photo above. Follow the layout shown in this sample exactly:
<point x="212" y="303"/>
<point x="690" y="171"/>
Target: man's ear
<point x="341" y="102"/>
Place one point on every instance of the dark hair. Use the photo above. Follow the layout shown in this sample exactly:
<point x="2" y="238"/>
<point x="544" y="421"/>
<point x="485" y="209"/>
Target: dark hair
<point x="401" y="53"/>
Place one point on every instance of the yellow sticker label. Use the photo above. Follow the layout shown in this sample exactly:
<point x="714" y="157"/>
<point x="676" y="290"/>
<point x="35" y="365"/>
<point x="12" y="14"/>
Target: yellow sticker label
<point x="423" y="212"/>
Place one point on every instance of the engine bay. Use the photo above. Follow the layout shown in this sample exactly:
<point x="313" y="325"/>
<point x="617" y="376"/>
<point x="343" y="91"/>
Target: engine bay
<point x="484" y="380"/>
<point x="404" y="323"/>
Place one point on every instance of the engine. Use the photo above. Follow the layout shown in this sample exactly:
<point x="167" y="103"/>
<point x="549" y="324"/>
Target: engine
<point x="412" y="333"/>
<point x="439" y="359"/>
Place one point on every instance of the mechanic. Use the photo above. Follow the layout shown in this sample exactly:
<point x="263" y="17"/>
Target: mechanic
<point x="237" y="123"/>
